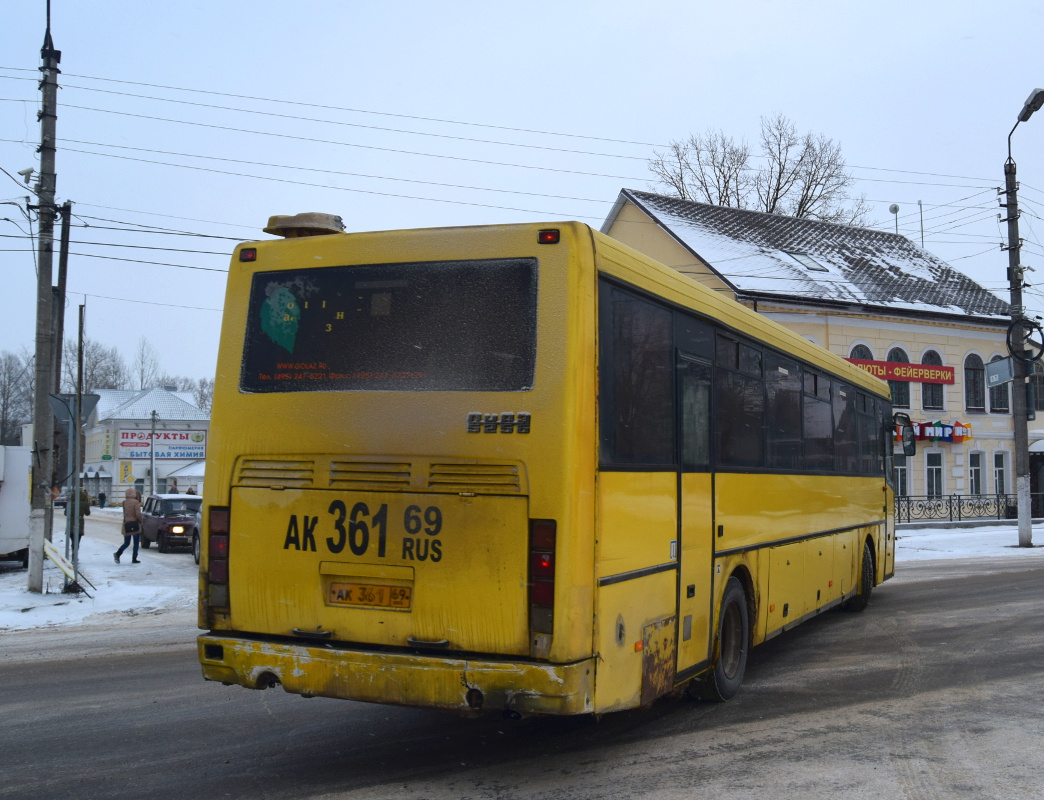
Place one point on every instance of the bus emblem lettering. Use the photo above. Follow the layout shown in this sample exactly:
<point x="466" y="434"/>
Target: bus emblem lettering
<point x="506" y="422"/>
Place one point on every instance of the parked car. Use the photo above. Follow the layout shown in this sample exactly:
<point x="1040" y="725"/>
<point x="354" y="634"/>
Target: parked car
<point x="169" y="520"/>
<point x="61" y="499"/>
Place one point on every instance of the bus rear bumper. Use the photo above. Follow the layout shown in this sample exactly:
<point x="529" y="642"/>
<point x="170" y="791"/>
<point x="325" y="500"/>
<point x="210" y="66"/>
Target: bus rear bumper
<point x="449" y="683"/>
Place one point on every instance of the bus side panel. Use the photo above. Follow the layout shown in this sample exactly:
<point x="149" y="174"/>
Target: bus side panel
<point x="637" y="531"/>
<point x="632" y="669"/>
<point x="786" y="586"/>
<point x="754" y="509"/>
<point x="847" y="547"/>
<point x="696" y="583"/>
<point x="637" y="521"/>
<point x="821" y="583"/>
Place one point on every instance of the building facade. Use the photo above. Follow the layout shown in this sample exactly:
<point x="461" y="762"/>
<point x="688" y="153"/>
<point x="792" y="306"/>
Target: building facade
<point x="152" y="440"/>
<point x="873" y="298"/>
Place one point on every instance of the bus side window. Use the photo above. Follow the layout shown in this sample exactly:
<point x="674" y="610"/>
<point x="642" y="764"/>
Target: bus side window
<point x="636" y="407"/>
<point x="694" y="407"/>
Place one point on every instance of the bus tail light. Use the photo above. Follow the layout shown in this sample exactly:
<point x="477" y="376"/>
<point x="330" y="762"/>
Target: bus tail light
<point x="542" y="536"/>
<point x="217" y="556"/>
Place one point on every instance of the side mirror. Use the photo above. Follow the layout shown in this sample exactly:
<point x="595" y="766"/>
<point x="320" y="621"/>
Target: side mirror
<point x="907" y="434"/>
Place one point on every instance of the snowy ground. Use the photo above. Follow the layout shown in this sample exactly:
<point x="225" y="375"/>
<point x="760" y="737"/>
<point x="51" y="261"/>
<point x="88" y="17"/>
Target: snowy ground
<point x="160" y="584"/>
<point x="165" y="583"/>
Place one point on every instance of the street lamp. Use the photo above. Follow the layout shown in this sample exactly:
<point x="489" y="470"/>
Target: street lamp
<point x="1015" y="273"/>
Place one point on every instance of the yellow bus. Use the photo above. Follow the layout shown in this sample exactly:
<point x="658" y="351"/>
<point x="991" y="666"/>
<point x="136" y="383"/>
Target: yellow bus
<point x="520" y="468"/>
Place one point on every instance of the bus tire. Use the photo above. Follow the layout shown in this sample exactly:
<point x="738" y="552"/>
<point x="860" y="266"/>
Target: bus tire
<point x="861" y="599"/>
<point x="722" y="683"/>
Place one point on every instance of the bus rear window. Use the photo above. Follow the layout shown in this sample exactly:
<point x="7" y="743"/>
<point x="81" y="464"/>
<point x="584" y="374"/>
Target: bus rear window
<point x="434" y="326"/>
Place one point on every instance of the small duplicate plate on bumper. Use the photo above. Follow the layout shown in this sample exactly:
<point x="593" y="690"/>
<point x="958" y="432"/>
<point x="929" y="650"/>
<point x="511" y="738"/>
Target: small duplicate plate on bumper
<point x="363" y="594"/>
<point x="376" y="586"/>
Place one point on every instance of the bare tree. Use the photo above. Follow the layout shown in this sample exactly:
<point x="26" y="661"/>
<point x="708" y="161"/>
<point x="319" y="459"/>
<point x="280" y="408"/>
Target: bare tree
<point x="103" y="367"/>
<point x="204" y="393"/>
<point x="202" y="390"/>
<point x="708" y="168"/>
<point x="145" y="366"/>
<point x="802" y="176"/>
<point x="16" y="401"/>
<point x="179" y="382"/>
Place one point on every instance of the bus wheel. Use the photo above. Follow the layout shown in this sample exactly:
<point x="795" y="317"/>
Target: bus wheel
<point x="724" y="680"/>
<point x="861" y="599"/>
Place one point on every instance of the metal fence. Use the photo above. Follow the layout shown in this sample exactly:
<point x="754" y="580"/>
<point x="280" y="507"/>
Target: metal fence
<point x="954" y="507"/>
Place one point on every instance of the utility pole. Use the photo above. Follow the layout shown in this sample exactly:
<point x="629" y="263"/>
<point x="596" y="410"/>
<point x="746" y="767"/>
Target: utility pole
<point x="59" y="296"/>
<point x="1015" y="276"/>
<point x="43" y="419"/>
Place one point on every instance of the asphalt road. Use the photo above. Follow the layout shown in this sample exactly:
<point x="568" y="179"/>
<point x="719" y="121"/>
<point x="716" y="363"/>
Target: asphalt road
<point x="935" y="691"/>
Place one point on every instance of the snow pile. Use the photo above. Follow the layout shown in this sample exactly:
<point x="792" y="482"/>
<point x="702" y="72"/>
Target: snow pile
<point x="162" y="582"/>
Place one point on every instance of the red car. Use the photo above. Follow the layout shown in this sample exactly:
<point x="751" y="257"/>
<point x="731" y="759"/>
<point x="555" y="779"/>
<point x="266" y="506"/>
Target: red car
<point x="169" y="520"/>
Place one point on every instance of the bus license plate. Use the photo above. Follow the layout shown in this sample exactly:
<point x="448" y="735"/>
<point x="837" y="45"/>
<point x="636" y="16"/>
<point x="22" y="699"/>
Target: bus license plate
<point x="368" y="594"/>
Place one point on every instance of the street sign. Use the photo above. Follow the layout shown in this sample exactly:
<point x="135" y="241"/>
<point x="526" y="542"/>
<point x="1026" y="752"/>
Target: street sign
<point x="1000" y="371"/>
<point x="63" y="406"/>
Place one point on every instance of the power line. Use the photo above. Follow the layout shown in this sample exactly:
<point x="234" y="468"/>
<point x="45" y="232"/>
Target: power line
<point x="438" y="120"/>
<point x="346" y="144"/>
<point x="157" y="263"/>
<point x="143" y="302"/>
<point x="360" y="110"/>
<point x="133" y="246"/>
<point x="315" y="169"/>
<point x="359" y="125"/>
<point x="147" y="229"/>
<point x="166" y="216"/>
<point x="336" y="188"/>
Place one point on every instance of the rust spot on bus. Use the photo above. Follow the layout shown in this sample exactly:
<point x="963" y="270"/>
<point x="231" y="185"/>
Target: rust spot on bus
<point x="658" y="651"/>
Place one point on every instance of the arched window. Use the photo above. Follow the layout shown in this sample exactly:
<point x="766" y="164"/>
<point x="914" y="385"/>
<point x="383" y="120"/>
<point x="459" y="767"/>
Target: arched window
<point x="974" y="384"/>
<point x="999" y="395"/>
<point x="900" y="389"/>
<point x="1037" y="379"/>
<point x="932" y="393"/>
<point x="862" y="353"/>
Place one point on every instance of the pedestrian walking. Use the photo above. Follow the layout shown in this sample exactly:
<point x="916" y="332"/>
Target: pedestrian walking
<point x="131" y="525"/>
<point x="85" y="511"/>
<point x="101" y="499"/>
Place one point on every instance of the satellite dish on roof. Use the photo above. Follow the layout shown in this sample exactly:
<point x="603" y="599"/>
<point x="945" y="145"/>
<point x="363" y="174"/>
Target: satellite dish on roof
<point x="893" y="208"/>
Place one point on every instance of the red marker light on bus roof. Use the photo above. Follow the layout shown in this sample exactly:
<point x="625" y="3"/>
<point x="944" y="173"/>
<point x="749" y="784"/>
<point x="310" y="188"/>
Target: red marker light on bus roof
<point x="248" y="254"/>
<point x="550" y="236"/>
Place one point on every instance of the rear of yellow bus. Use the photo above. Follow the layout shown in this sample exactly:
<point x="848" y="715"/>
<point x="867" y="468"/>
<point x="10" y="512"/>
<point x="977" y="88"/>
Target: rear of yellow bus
<point x="399" y="494"/>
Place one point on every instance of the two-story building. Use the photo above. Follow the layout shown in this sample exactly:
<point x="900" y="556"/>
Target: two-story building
<point x="869" y="296"/>
<point x="152" y="438"/>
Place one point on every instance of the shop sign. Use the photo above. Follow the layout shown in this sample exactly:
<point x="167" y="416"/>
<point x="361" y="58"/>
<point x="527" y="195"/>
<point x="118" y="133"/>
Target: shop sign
<point x="938" y="432"/>
<point x="137" y="443"/>
<point x="912" y="373"/>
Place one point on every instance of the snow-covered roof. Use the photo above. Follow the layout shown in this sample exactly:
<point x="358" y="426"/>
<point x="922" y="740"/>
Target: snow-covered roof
<point x="138" y="405"/>
<point x="808" y="260"/>
<point x="195" y="469"/>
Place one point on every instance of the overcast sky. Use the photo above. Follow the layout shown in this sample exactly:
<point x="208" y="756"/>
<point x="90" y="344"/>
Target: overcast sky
<point x="208" y="117"/>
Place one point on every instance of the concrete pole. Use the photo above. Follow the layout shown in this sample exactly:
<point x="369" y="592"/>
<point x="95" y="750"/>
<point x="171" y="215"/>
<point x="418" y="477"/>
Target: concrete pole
<point x="1018" y="400"/>
<point x="43" y="420"/>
